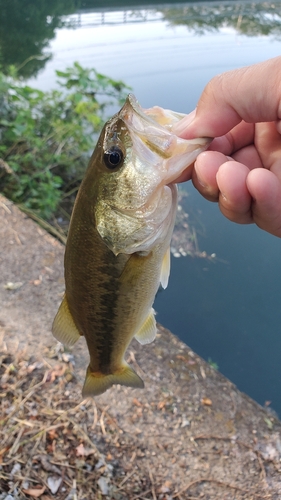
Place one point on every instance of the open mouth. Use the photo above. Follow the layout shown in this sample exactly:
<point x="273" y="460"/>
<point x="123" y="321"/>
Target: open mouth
<point x="153" y="126"/>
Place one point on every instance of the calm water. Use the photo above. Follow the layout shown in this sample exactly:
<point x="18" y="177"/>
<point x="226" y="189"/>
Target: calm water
<point x="228" y="310"/>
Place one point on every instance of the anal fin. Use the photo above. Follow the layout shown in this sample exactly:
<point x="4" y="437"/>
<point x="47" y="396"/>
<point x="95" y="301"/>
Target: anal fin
<point x="97" y="383"/>
<point x="64" y="328"/>
<point x="147" y="332"/>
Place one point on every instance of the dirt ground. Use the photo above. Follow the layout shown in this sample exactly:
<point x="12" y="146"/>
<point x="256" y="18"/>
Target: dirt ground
<point x="190" y="434"/>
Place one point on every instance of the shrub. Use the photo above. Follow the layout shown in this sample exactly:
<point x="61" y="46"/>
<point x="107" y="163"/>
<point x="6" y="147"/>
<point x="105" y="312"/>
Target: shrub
<point x="46" y="138"/>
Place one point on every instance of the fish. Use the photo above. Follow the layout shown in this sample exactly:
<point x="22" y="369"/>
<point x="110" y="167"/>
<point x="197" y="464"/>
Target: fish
<point x="118" y="246"/>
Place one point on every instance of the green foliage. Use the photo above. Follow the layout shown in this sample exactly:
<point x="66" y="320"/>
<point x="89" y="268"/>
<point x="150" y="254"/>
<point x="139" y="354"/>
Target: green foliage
<point x="47" y="138"/>
<point x="26" y="28"/>
<point x="213" y="364"/>
<point x="248" y="18"/>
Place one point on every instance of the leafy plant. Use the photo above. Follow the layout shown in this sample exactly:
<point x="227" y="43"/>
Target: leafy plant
<point x="213" y="364"/>
<point x="46" y="138"/>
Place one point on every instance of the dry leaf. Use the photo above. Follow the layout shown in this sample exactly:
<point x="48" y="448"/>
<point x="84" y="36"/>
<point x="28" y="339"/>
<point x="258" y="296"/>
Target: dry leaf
<point x="34" y="366"/>
<point x="2" y="453"/>
<point x="52" y="434"/>
<point x="136" y="402"/>
<point x="81" y="451"/>
<point x="37" y="282"/>
<point x="161" y="405"/>
<point x="179" y="356"/>
<point x="13" y="286"/>
<point x="54" y="483"/>
<point x="35" y="492"/>
<point x="206" y="401"/>
<point x="103" y="485"/>
<point x="57" y="371"/>
<point x="166" y="487"/>
<point x="47" y="466"/>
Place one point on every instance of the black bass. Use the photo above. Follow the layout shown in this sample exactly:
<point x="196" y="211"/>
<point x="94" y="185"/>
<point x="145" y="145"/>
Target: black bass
<point x="118" y="247"/>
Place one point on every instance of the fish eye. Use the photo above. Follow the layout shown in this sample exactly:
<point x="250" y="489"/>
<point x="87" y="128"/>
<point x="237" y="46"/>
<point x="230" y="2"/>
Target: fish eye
<point x="113" y="158"/>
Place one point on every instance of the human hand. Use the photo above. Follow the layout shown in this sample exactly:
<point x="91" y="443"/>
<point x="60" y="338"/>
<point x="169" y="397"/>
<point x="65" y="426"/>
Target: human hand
<point x="242" y="167"/>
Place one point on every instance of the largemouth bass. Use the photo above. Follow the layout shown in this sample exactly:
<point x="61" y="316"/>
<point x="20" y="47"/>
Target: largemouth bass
<point x="117" y="252"/>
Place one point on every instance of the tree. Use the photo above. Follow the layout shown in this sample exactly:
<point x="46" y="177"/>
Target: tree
<point x="27" y="26"/>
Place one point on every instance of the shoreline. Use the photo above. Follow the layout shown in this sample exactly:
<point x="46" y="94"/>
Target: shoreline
<point x="190" y="432"/>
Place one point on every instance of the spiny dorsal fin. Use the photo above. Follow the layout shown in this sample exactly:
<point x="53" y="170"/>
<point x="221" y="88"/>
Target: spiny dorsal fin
<point x="96" y="384"/>
<point x="64" y="328"/>
<point x="165" y="269"/>
<point x="147" y="332"/>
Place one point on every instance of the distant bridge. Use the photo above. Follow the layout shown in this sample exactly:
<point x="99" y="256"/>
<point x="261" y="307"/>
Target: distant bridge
<point x="108" y="16"/>
<point x="147" y="13"/>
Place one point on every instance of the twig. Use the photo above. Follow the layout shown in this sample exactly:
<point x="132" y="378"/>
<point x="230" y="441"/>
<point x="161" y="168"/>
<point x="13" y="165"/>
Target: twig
<point x="13" y="459"/>
<point x="2" y="205"/>
<point x="241" y="443"/>
<point x="39" y="434"/>
<point x="17" y="238"/>
<point x="152" y="485"/>
<point x="111" y="419"/>
<point x="141" y="495"/>
<point x="45" y="225"/>
<point x="219" y="483"/>
<point x="65" y="413"/>
<point x="85" y="435"/>
<point x="36" y="386"/>
<point x="26" y="422"/>
<point x="95" y="416"/>
<point x="102" y="421"/>
<point x="16" y="443"/>
<point x="120" y="486"/>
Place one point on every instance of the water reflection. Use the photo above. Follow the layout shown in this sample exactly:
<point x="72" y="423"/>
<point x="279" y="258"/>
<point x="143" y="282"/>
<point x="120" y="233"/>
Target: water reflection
<point x="28" y="26"/>
<point x="26" y="29"/>
<point x="247" y="18"/>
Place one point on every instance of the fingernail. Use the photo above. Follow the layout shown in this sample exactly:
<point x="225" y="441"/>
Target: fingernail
<point x="202" y="184"/>
<point x="182" y="125"/>
<point x="198" y="178"/>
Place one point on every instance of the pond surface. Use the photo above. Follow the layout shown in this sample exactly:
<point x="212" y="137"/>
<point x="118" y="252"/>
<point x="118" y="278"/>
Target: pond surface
<point x="227" y="309"/>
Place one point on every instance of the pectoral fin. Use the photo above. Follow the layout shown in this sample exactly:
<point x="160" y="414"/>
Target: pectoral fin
<point x="165" y="269"/>
<point x="97" y="383"/>
<point x="147" y="332"/>
<point x="64" y="328"/>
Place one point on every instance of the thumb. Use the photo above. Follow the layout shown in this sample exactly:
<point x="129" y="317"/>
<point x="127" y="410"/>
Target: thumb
<point x="252" y="94"/>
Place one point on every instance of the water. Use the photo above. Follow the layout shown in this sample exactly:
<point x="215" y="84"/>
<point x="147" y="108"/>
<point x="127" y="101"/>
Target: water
<point x="227" y="310"/>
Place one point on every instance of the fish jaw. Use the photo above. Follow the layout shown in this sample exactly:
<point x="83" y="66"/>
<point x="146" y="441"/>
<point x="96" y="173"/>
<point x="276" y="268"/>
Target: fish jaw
<point x="153" y="128"/>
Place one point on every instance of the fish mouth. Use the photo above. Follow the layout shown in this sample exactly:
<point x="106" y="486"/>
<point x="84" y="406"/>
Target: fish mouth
<point x="154" y="126"/>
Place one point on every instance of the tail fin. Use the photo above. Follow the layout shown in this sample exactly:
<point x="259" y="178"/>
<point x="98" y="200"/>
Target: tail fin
<point x="96" y="384"/>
